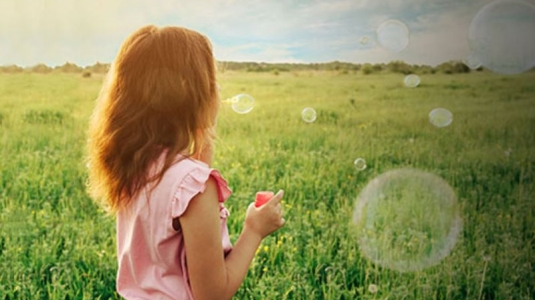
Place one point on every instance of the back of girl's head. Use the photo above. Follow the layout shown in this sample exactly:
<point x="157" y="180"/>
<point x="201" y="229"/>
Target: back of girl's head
<point x="160" y="93"/>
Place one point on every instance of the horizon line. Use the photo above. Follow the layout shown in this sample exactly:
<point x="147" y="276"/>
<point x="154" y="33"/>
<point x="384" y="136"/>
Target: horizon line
<point x="66" y="63"/>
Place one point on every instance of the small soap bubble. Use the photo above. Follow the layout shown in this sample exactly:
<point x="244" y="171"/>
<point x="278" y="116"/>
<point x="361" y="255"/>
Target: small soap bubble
<point x="440" y="117"/>
<point x="365" y="40"/>
<point x="407" y="220"/>
<point x="393" y="35"/>
<point x="411" y="80"/>
<point x="308" y="114"/>
<point x="242" y="103"/>
<point x="360" y="164"/>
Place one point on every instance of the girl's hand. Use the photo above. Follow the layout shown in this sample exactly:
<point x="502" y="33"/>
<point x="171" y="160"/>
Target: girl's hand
<point x="266" y="219"/>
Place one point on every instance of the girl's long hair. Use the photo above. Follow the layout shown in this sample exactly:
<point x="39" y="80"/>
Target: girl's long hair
<point x="160" y="94"/>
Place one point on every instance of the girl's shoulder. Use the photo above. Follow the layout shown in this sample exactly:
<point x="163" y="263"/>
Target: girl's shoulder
<point x="190" y="177"/>
<point x="184" y="166"/>
<point x="181" y="165"/>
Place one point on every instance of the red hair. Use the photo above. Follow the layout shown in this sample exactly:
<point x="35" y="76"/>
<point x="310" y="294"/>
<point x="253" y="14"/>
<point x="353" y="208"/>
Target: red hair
<point x="160" y="93"/>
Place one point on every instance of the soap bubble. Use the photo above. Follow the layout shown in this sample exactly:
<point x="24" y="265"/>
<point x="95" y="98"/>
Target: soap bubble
<point x="411" y="80"/>
<point x="440" y="117"/>
<point x="360" y="164"/>
<point x="407" y="220"/>
<point x="308" y="114"/>
<point x="242" y="103"/>
<point x="364" y="40"/>
<point x="502" y="36"/>
<point x="472" y="61"/>
<point x="393" y="35"/>
<point x="366" y="43"/>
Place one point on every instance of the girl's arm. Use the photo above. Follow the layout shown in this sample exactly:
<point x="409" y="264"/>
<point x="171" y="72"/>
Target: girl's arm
<point x="213" y="276"/>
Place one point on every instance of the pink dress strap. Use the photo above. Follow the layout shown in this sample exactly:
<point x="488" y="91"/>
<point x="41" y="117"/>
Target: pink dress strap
<point x="195" y="183"/>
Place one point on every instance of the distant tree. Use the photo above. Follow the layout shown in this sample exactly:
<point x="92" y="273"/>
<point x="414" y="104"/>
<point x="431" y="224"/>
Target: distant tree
<point x="378" y="67"/>
<point x="11" y="69"/>
<point x="69" y="68"/>
<point x="400" y="67"/>
<point x="459" y="67"/>
<point x="98" y="68"/>
<point x="335" y="65"/>
<point x="453" y="67"/>
<point x="426" y="70"/>
<point x="367" y="69"/>
<point x="444" y="68"/>
<point x="40" y="68"/>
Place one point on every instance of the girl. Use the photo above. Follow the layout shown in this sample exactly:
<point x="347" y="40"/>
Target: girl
<point x="150" y="149"/>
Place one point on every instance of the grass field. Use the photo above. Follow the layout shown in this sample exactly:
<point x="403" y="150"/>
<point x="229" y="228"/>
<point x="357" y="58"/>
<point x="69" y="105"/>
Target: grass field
<point x="55" y="243"/>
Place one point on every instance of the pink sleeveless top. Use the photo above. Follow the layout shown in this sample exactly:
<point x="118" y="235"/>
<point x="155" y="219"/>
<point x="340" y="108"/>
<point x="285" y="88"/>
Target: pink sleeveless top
<point x="151" y="254"/>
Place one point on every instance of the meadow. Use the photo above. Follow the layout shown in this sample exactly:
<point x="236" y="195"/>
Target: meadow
<point x="56" y="243"/>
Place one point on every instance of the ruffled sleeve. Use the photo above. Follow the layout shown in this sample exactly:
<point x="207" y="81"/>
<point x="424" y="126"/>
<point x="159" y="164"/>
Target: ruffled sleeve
<point x="194" y="183"/>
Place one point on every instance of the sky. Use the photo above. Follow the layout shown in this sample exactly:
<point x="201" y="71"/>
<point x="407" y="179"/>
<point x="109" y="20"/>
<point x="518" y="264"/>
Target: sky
<point x="296" y="31"/>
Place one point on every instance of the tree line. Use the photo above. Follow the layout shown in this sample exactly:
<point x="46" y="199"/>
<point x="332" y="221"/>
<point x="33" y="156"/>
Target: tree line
<point x="68" y="67"/>
<point x="451" y="67"/>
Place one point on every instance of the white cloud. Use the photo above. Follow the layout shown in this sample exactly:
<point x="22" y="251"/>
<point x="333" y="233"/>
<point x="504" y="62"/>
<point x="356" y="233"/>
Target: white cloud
<point x="84" y="31"/>
<point x="57" y="31"/>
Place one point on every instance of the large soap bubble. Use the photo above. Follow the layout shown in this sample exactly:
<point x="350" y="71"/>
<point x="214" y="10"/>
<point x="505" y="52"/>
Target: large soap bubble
<point x="502" y="36"/>
<point x="393" y="35"/>
<point x="407" y="220"/>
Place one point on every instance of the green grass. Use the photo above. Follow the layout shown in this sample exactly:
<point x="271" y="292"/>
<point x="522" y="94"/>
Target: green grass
<point x="55" y="243"/>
